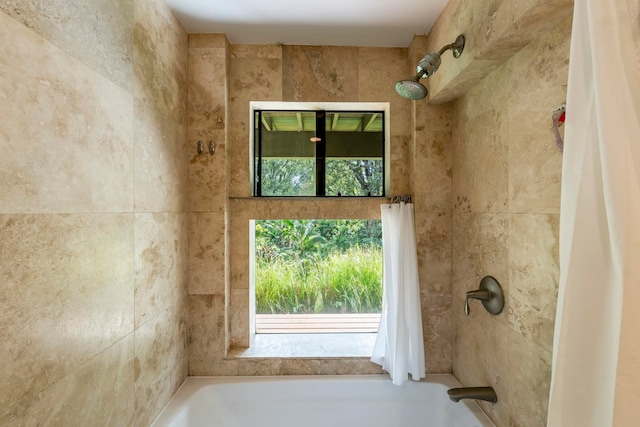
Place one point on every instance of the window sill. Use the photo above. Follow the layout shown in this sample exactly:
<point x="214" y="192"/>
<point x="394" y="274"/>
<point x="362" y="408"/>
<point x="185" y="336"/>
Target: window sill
<point x="383" y="199"/>
<point x="307" y="346"/>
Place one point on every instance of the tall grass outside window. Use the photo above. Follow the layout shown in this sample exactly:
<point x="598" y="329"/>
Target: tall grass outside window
<point x="318" y="266"/>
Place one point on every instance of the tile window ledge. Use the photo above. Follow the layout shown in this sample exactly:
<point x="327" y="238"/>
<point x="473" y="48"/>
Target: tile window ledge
<point x="338" y="345"/>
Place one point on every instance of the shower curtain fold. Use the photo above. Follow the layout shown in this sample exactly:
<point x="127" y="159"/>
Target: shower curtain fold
<point x="596" y="360"/>
<point x="399" y="346"/>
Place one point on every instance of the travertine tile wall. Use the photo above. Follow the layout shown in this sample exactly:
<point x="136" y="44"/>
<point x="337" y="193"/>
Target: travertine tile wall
<point x="506" y="203"/>
<point x="97" y="217"/>
<point x="93" y="215"/>
<point x="431" y="184"/>
<point x="223" y="80"/>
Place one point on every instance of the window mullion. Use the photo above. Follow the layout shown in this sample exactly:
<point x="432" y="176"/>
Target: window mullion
<point x="321" y="150"/>
<point x="257" y="145"/>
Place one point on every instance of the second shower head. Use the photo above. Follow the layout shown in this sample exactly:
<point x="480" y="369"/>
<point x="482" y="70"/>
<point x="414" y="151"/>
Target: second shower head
<point x="429" y="64"/>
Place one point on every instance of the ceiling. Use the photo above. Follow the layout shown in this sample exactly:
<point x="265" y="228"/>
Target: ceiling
<point x="382" y="23"/>
<point x="302" y="121"/>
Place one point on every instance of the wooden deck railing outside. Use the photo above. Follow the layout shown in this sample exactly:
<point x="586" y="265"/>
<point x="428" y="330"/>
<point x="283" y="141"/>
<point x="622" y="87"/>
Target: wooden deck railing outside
<point x="316" y="323"/>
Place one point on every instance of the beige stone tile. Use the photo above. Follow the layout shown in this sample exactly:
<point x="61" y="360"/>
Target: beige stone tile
<point x="161" y="361"/>
<point x="207" y="88"/>
<point x="535" y="169"/>
<point x="239" y="318"/>
<point x="206" y="333"/>
<point x="377" y="83"/>
<point x="355" y="365"/>
<point x="98" y="33"/>
<point x="207" y="173"/>
<point x="480" y="248"/>
<point x="431" y="178"/>
<point x="68" y="134"/>
<point x="252" y="78"/>
<point x="294" y="366"/>
<point x="400" y="165"/>
<point x="433" y="240"/>
<point x="238" y="167"/>
<point x="253" y="51"/>
<point x="239" y="253"/>
<point x="533" y="276"/>
<point x="401" y="112"/>
<point x="67" y="295"/>
<point x="100" y="392"/>
<point x="247" y="367"/>
<point x="481" y="358"/>
<point x="529" y="382"/>
<point x="299" y="366"/>
<point x="242" y="210"/>
<point x="160" y="165"/>
<point x="258" y="367"/>
<point x="329" y="366"/>
<point x="206" y="253"/>
<point x="160" y="59"/>
<point x="437" y="327"/>
<point x="433" y="119"/>
<point x="320" y="73"/>
<point x="161" y="264"/>
<point x="222" y="367"/>
<point x="209" y="40"/>
<point x="480" y="162"/>
<point x="535" y="165"/>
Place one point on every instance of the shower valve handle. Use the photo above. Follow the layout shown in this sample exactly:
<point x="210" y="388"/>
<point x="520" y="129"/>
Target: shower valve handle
<point x="481" y="294"/>
<point x="490" y="293"/>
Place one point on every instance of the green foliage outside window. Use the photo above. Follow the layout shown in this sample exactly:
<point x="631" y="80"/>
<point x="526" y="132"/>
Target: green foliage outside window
<point x="288" y="177"/>
<point x="354" y="177"/>
<point x="318" y="266"/>
<point x="296" y="177"/>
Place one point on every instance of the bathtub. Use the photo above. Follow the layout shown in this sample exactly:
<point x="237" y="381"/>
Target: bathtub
<point x="318" y="401"/>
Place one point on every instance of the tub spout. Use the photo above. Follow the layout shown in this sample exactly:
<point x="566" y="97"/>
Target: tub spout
<point x="476" y="393"/>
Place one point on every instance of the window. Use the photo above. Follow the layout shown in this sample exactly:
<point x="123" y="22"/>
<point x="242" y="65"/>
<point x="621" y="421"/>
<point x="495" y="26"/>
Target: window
<point x="315" y="153"/>
<point x="317" y="275"/>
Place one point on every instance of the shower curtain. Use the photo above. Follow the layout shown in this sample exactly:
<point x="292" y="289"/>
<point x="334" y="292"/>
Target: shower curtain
<point x="399" y="346"/>
<point x="596" y="360"/>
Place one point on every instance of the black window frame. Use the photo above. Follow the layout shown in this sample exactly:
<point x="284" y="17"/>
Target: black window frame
<point x="321" y="157"/>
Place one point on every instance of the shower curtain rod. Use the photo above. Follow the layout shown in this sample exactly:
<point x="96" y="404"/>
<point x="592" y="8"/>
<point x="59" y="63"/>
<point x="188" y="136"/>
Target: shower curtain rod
<point x="400" y="199"/>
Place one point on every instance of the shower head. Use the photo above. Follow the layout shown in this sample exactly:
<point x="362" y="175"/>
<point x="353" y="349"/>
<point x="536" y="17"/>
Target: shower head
<point x="412" y="88"/>
<point x="429" y="64"/>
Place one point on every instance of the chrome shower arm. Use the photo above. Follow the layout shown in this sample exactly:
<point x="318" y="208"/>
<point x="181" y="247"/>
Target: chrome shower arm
<point x="457" y="47"/>
<point x="446" y="48"/>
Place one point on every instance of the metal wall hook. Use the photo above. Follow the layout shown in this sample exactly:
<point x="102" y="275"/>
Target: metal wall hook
<point x="212" y="147"/>
<point x="490" y="293"/>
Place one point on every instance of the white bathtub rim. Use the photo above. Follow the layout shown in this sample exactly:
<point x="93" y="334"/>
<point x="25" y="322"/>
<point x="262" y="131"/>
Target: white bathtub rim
<point x="192" y="384"/>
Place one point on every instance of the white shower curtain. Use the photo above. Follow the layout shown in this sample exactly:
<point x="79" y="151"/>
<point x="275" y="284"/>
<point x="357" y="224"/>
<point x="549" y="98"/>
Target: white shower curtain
<point x="596" y="359"/>
<point x="399" y="346"/>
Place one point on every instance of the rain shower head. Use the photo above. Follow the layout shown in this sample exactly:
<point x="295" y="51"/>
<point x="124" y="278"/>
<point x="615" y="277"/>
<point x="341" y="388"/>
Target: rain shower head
<point x="412" y="88"/>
